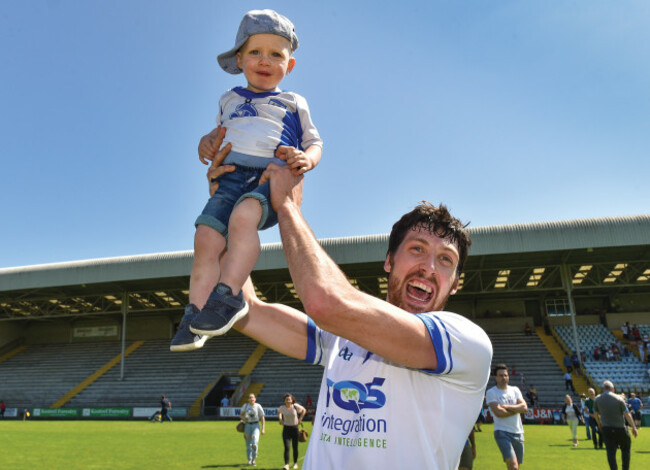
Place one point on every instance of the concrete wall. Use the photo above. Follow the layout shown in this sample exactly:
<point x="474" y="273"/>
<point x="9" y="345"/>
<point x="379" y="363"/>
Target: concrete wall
<point x="10" y="331"/>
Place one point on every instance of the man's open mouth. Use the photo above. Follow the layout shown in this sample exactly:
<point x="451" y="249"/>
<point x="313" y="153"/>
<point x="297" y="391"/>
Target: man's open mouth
<point x="419" y="291"/>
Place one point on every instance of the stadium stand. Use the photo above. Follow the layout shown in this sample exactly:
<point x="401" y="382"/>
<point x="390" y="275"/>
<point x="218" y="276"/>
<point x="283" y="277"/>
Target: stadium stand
<point x="152" y="371"/>
<point x="281" y="374"/>
<point x="628" y="374"/>
<point x="529" y="356"/>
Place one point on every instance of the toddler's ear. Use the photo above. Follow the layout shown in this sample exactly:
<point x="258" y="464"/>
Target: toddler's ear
<point x="292" y="63"/>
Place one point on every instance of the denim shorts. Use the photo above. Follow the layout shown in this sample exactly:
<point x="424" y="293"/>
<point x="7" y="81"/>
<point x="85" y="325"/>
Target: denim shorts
<point x="234" y="187"/>
<point x="510" y="444"/>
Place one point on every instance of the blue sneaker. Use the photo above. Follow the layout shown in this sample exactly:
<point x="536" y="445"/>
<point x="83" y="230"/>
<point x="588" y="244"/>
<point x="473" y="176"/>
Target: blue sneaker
<point x="184" y="339"/>
<point x="221" y="312"/>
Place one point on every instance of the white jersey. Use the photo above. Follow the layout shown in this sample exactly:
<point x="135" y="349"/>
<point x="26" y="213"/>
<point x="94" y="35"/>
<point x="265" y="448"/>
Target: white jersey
<point x="257" y="123"/>
<point x="511" y="396"/>
<point x="374" y="414"/>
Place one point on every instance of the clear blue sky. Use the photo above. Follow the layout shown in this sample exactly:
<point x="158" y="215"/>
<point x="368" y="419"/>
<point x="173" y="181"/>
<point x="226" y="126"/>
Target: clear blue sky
<point x="507" y="111"/>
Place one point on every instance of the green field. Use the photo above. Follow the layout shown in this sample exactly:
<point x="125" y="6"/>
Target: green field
<point x="87" y="445"/>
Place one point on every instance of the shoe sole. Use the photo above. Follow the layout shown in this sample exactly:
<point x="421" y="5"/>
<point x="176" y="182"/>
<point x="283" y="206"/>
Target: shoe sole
<point x="189" y="346"/>
<point x="238" y="316"/>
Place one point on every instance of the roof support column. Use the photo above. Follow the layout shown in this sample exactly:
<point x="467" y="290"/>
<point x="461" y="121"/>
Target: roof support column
<point x="125" y="309"/>
<point x="568" y="286"/>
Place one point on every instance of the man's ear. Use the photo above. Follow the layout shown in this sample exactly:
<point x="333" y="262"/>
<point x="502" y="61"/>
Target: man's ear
<point x="388" y="264"/>
<point x="454" y="289"/>
<point x="238" y="56"/>
<point x="292" y="63"/>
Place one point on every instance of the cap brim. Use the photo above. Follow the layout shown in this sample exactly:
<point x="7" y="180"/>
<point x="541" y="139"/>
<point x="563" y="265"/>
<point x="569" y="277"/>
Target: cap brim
<point x="228" y="61"/>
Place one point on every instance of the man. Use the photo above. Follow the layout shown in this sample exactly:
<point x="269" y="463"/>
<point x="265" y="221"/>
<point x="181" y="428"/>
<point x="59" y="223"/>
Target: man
<point x="507" y="404"/>
<point x="590" y="419"/>
<point x="635" y="404"/>
<point x="568" y="381"/>
<point x="165" y="406"/>
<point x="585" y="413"/>
<point x="611" y="413"/>
<point x="401" y="387"/>
<point x="469" y="453"/>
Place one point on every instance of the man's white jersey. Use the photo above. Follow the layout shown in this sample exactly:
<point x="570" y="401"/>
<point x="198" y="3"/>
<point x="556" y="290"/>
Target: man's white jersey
<point x="511" y="396"/>
<point x="257" y="123"/>
<point x="374" y="414"/>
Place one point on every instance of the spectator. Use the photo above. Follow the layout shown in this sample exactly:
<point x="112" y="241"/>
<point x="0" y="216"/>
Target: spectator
<point x="575" y="362"/>
<point x="568" y="382"/>
<point x="596" y="353"/>
<point x="625" y="329"/>
<point x="506" y="405"/>
<point x="596" y="435"/>
<point x="469" y="453"/>
<point x="290" y="416"/>
<point x="567" y="362"/>
<point x="571" y="415"/>
<point x="225" y="402"/>
<point x="252" y="414"/>
<point x="528" y="331"/>
<point x="532" y="397"/>
<point x="636" y="333"/>
<point x="635" y="404"/>
<point x="616" y="352"/>
<point x="611" y="414"/>
<point x="308" y="401"/>
<point x="585" y="414"/>
<point x="641" y="351"/>
<point x="3" y="408"/>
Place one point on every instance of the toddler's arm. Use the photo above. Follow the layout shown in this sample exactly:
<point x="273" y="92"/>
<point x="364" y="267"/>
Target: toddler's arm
<point x="210" y="143"/>
<point x="298" y="161"/>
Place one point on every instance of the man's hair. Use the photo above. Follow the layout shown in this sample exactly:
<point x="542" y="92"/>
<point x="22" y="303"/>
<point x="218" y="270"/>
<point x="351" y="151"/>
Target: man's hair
<point x="499" y="367"/>
<point x="436" y="220"/>
<point x="607" y="385"/>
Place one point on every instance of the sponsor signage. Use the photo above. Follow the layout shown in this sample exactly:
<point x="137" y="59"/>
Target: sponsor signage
<point x="55" y="412"/>
<point x="106" y="412"/>
<point x="94" y="331"/>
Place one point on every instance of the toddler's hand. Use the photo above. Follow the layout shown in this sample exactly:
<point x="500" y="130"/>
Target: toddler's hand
<point x="296" y="159"/>
<point x="210" y="143"/>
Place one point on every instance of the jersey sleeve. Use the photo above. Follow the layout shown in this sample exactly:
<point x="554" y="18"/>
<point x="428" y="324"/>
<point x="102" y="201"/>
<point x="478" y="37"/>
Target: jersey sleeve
<point x="463" y="349"/>
<point x="310" y="135"/>
<point x="318" y="344"/>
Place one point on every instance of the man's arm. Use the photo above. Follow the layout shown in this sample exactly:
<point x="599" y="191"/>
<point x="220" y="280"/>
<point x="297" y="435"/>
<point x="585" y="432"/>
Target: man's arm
<point x="499" y="410"/>
<point x="330" y="300"/>
<point x="520" y="407"/>
<point x="630" y="420"/>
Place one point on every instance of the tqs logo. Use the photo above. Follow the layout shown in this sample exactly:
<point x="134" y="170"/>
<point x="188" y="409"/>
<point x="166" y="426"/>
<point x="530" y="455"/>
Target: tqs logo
<point x="355" y="396"/>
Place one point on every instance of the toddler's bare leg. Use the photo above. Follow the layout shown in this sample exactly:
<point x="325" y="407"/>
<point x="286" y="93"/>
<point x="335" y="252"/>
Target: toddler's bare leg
<point x="208" y="248"/>
<point x="243" y="244"/>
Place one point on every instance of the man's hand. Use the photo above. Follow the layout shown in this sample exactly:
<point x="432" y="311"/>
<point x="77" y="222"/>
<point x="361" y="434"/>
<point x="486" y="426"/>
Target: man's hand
<point x="210" y="143"/>
<point x="296" y="159"/>
<point x="216" y="168"/>
<point x="285" y="186"/>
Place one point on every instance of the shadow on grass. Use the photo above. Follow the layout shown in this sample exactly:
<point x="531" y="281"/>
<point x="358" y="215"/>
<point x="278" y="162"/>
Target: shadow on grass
<point x="238" y="465"/>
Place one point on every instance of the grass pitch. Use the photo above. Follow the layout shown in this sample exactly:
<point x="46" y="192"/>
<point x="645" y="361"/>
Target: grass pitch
<point x="90" y="445"/>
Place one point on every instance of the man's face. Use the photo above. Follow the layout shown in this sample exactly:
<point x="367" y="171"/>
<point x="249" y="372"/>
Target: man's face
<point x="502" y="378"/>
<point x="422" y="272"/>
<point x="592" y="393"/>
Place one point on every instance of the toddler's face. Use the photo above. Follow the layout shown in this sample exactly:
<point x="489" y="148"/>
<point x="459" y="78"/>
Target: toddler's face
<point x="265" y="60"/>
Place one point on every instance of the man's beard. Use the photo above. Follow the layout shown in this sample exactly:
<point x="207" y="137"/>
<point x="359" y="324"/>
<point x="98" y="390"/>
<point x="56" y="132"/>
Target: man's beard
<point x="397" y="289"/>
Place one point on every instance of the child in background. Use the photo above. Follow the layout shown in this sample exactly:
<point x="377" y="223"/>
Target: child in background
<point x="264" y="124"/>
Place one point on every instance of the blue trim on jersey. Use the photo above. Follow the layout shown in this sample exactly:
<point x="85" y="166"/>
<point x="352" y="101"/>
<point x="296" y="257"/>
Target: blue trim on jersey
<point x="246" y="93"/>
<point x="438" y="345"/>
<point x="311" y="341"/>
<point x="451" y="358"/>
<point x="291" y="131"/>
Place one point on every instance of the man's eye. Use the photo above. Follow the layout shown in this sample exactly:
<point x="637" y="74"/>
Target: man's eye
<point x="254" y="52"/>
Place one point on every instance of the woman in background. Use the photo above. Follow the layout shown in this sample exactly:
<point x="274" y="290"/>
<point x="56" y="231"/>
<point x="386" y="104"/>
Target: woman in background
<point x="290" y="415"/>
<point x="571" y="414"/>
<point x="252" y="414"/>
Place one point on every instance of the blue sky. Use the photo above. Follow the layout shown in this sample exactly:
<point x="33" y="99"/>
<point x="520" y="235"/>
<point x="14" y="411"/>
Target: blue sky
<point x="506" y="111"/>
